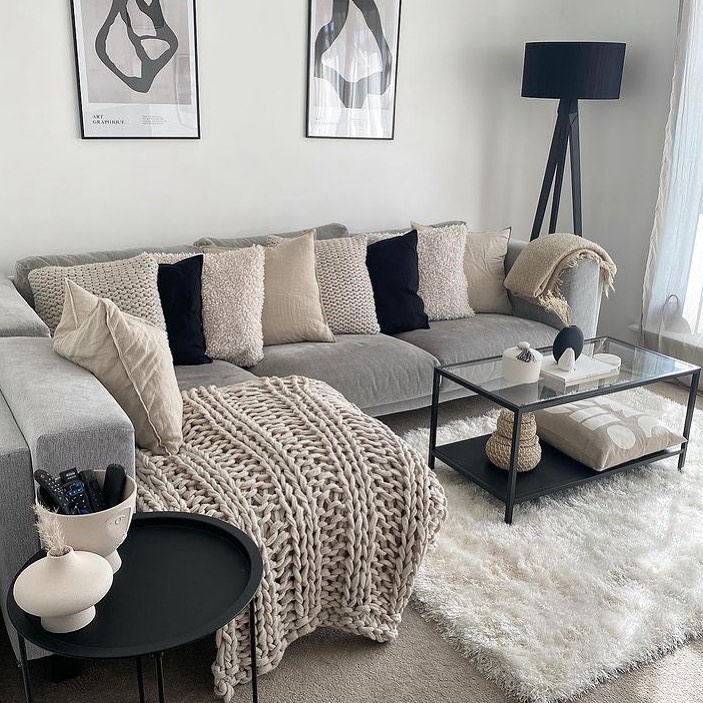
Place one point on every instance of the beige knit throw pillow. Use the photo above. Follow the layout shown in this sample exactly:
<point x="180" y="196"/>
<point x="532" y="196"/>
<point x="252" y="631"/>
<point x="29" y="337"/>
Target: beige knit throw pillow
<point x="131" y="358"/>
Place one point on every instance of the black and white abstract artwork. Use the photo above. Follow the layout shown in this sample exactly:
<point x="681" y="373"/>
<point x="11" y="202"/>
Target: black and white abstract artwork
<point x="352" y="68"/>
<point x="137" y="68"/>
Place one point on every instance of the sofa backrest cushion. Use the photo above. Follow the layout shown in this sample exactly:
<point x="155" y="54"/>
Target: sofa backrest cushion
<point x="331" y="231"/>
<point x="24" y="266"/>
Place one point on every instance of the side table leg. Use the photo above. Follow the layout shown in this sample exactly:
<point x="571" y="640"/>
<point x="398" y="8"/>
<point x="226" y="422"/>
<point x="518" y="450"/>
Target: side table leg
<point x="692" y="394"/>
<point x="433" y="419"/>
<point x="160" y="676"/>
<point x="252" y="646"/>
<point x="512" y="475"/>
<point x="140" y="680"/>
<point x="25" y="669"/>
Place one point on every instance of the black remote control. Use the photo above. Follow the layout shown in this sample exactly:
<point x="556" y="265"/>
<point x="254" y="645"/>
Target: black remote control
<point x="52" y="492"/>
<point x="77" y="497"/>
<point x="113" y="487"/>
<point x="93" y="490"/>
<point x="68" y="476"/>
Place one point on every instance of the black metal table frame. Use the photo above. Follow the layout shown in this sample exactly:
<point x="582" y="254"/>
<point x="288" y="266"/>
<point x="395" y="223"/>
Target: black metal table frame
<point x="158" y="665"/>
<point x="519" y="410"/>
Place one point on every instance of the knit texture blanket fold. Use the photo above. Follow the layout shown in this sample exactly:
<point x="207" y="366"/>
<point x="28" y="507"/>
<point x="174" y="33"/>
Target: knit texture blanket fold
<point x="342" y="509"/>
<point x="536" y="274"/>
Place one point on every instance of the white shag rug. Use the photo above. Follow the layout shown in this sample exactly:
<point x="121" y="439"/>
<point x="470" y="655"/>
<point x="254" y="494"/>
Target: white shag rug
<point x="584" y="584"/>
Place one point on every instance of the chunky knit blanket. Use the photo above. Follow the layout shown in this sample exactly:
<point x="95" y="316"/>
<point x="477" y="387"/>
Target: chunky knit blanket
<point x="342" y="509"/>
<point x="537" y="272"/>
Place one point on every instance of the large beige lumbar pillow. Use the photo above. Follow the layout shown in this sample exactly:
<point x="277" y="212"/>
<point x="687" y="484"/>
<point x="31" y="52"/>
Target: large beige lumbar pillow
<point x="292" y="305"/>
<point x="602" y="432"/>
<point x="131" y="358"/>
<point x="484" y="266"/>
<point x="345" y="285"/>
<point x="129" y="283"/>
<point x="233" y="301"/>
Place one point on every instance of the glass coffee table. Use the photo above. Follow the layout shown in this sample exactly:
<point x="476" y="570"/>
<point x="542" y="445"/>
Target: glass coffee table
<point x="556" y="471"/>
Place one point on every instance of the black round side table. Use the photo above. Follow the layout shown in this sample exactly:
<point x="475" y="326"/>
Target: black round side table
<point x="183" y="577"/>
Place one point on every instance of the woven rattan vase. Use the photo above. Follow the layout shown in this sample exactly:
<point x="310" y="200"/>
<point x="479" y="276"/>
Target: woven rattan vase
<point x="500" y="443"/>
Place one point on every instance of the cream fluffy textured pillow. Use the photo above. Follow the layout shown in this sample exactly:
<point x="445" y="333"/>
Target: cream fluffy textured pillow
<point x="129" y="283"/>
<point x="233" y="300"/>
<point x="292" y="305"/>
<point x="484" y="266"/>
<point x="345" y="284"/>
<point x="131" y="358"/>
<point x="443" y="287"/>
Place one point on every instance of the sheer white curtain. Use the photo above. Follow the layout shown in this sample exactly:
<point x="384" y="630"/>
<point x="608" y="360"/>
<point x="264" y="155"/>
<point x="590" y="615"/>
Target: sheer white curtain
<point x="672" y="311"/>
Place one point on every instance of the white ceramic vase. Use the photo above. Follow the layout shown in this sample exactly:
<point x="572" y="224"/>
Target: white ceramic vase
<point x="102" y="533"/>
<point x="63" y="590"/>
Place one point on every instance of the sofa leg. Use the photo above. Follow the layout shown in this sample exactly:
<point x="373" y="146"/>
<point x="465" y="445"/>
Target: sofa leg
<point x="63" y="668"/>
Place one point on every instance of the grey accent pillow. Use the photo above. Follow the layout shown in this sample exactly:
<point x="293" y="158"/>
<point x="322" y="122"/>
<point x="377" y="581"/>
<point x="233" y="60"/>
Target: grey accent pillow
<point x="333" y="230"/>
<point x="233" y="301"/>
<point x="602" y="432"/>
<point x="130" y="283"/>
<point x="24" y="266"/>
<point x="345" y="285"/>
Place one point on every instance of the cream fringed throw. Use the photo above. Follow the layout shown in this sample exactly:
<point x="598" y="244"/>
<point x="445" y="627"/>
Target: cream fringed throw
<point x="342" y="509"/>
<point x="537" y="272"/>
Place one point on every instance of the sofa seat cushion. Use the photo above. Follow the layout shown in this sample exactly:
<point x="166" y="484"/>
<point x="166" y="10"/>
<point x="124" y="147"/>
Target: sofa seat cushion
<point x="454" y="341"/>
<point x="371" y="371"/>
<point x="218" y="373"/>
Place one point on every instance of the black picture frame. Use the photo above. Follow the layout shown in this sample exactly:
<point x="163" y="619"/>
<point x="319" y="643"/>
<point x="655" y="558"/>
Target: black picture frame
<point x="352" y="90"/>
<point x="159" y="120"/>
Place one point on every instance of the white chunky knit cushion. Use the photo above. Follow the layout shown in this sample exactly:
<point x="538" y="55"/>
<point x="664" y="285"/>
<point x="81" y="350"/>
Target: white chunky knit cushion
<point x="345" y="284"/>
<point x="233" y="299"/>
<point x="129" y="283"/>
<point x="341" y="508"/>
<point x="443" y="286"/>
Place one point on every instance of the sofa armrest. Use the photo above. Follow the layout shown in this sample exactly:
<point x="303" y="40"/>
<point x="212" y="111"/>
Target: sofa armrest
<point x="17" y="319"/>
<point x="66" y="415"/>
<point x="581" y="286"/>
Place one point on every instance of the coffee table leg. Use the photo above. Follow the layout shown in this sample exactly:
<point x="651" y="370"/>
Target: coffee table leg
<point x="25" y="669"/>
<point x="159" y="661"/>
<point x="140" y="680"/>
<point x="252" y="646"/>
<point x="512" y="475"/>
<point x="433" y="419"/>
<point x="695" y="378"/>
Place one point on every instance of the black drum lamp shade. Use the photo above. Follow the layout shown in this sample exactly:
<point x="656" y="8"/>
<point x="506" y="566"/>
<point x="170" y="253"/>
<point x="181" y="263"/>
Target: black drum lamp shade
<point x="582" y="70"/>
<point x="569" y="72"/>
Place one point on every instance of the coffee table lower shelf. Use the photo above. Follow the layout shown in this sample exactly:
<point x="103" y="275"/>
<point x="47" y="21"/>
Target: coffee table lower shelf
<point x="555" y="472"/>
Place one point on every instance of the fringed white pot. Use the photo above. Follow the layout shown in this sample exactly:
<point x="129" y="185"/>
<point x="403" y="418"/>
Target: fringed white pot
<point x="63" y="590"/>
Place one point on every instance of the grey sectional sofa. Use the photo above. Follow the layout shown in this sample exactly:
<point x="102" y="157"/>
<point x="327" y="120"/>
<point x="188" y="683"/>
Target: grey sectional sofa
<point x="55" y="415"/>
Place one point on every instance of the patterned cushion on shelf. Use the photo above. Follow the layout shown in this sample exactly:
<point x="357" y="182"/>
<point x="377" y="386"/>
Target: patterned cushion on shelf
<point x="602" y="432"/>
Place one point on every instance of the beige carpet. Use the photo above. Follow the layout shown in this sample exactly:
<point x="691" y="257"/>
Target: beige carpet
<point x="329" y="667"/>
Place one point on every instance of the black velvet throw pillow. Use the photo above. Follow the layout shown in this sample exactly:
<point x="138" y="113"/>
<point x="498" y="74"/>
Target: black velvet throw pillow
<point x="182" y="303"/>
<point x="393" y="268"/>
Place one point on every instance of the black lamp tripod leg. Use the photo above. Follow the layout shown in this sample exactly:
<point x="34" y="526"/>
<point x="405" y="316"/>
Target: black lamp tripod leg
<point x="575" y="157"/>
<point x="563" y="127"/>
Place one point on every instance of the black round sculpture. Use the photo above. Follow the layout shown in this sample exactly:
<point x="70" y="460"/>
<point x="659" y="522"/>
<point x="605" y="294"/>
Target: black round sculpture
<point x="569" y="338"/>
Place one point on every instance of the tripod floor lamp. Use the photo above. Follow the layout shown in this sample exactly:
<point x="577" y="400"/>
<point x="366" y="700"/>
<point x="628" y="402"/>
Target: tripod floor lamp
<point x="569" y="72"/>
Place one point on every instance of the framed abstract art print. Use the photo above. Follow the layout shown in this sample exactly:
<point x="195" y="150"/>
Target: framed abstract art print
<point x="352" y="68"/>
<point x="137" y="68"/>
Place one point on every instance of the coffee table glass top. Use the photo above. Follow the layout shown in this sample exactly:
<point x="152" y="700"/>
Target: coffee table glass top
<point x="639" y="367"/>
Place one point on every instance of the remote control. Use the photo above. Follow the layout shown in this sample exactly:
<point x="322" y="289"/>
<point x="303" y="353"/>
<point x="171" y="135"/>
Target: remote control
<point x="113" y="487"/>
<point x="77" y="497"/>
<point x="53" y="492"/>
<point x="68" y="476"/>
<point x="93" y="490"/>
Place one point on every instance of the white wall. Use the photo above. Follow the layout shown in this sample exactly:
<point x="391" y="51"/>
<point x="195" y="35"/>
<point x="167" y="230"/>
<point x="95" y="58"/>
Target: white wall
<point x="467" y="146"/>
